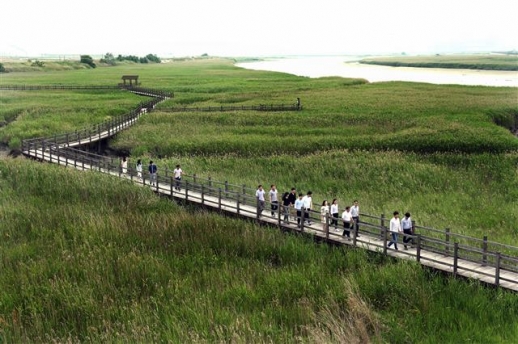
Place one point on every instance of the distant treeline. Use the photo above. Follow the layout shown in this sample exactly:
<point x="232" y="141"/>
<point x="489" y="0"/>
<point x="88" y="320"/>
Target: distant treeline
<point x="111" y="60"/>
<point x="475" y="61"/>
<point x="443" y="65"/>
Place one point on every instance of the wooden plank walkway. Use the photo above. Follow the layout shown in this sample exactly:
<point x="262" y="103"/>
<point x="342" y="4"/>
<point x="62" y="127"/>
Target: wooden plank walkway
<point x="244" y="206"/>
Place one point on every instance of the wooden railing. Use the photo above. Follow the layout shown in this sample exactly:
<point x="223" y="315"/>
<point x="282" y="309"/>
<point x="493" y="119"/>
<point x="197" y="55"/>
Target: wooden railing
<point x="93" y="133"/>
<point x="261" y="107"/>
<point x="241" y="200"/>
<point x="137" y="90"/>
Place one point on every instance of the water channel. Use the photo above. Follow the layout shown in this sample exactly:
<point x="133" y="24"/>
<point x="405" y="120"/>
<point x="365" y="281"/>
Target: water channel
<point x="349" y="67"/>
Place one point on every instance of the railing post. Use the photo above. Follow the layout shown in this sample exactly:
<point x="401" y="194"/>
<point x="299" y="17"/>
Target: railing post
<point x="413" y="232"/>
<point x="186" y="190"/>
<point x="303" y="219"/>
<point x="244" y="194"/>
<point x="202" y="194"/>
<point x="194" y="178"/>
<point x="171" y="186"/>
<point x="382" y="224"/>
<point x="326" y="226"/>
<point x="497" y="268"/>
<point x="219" y="199"/>
<point x="210" y="182"/>
<point x="484" y="249"/>
<point x="447" y="246"/>
<point x="418" y="250"/>
<point x="354" y="232"/>
<point x="237" y="204"/>
<point x="226" y="189"/>
<point x="258" y="209"/>
<point x="384" y="240"/>
<point x="455" y="258"/>
<point x="279" y="216"/>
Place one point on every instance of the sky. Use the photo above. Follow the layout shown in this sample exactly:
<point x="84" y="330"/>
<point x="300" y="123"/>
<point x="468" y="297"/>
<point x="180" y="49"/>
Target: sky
<point x="256" y="28"/>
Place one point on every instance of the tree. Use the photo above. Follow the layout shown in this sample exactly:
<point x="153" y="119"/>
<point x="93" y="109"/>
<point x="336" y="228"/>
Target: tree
<point x="2" y="68"/>
<point x="87" y="59"/>
<point x="153" y="58"/>
<point x="38" y="63"/>
<point x="108" y="59"/>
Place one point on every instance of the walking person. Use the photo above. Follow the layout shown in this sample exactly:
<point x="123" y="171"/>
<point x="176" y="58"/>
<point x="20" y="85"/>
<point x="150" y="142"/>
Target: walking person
<point x="324" y="211"/>
<point x="293" y="197"/>
<point x="406" y="224"/>
<point x="178" y="172"/>
<point x="138" y="168"/>
<point x="355" y="212"/>
<point x="334" y="214"/>
<point x="152" y="173"/>
<point x="286" y="207"/>
<point x="274" y="202"/>
<point x="308" y="204"/>
<point x="259" y="194"/>
<point x="124" y="165"/>
<point x="299" y="205"/>
<point x="346" y="219"/>
<point x="395" y="229"/>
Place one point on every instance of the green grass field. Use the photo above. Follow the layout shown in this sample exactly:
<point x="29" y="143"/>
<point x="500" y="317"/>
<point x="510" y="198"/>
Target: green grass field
<point x="92" y="258"/>
<point x="87" y="257"/>
<point x="480" y="61"/>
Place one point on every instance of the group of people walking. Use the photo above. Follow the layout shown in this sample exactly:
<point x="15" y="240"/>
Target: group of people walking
<point x="301" y="205"/>
<point x="350" y="216"/>
<point x="153" y="170"/>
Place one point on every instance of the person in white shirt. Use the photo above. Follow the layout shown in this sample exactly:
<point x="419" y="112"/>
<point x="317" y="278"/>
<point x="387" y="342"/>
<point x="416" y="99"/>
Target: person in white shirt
<point x="347" y="218"/>
<point x="259" y="194"/>
<point x="406" y="225"/>
<point x="124" y="165"/>
<point x="273" y="199"/>
<point x="139" y="169"/>
<point x="299" y="204"/>
<point x="324" y="210"/>
<point x="355" y="212"/>
<point x="395" y="229"/>
<point x="334" y="213"/>
<point x="178" y="177"/>
<point x="308" y="204"/>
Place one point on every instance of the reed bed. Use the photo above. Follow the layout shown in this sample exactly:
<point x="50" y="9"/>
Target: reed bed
<point x="93" y="258"/>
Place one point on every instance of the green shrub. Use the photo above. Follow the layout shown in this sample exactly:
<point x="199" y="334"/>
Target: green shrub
<point x="88" y="60"/>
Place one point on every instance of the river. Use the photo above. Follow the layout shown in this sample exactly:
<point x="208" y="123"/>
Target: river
<point x="348" y="67"/>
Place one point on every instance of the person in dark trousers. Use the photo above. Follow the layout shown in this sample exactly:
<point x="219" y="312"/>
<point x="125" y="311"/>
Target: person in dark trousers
<point x="308" y="205"/>
<point x="286" y="207"/>
<point x="152" y="173"/>
<point x="395" y="229"/>
<point x="259" y="194"/>
<point x="293" y="197"/>
<point x="347" y="218"/>
<point x="406" y="223"/>
<point x="299" y="205"/>
<point x="178" y="172"/>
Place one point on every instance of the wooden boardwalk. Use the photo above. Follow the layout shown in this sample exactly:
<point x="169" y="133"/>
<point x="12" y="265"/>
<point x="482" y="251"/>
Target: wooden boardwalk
<point x="495" y="268"/>
<point x="483" y="260"/>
